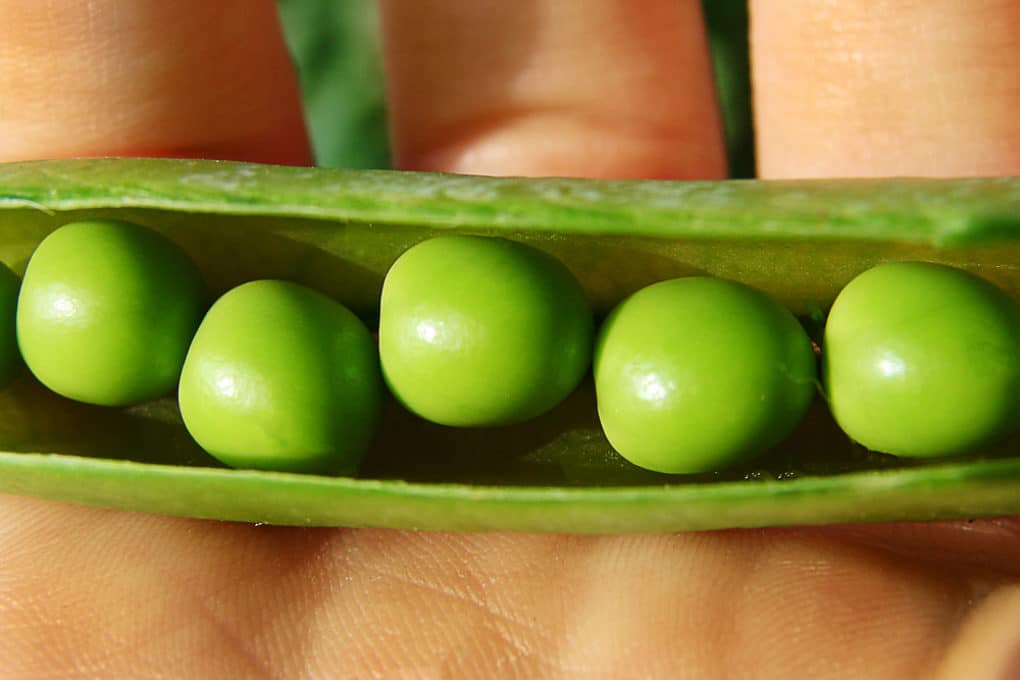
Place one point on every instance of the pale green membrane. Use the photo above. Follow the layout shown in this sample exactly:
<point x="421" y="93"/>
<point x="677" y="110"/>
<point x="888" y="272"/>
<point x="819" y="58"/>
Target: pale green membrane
<point x="338" y="231"/>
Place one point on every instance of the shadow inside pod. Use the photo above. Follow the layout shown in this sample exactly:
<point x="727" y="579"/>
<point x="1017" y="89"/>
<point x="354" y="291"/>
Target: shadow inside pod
<point x="232" y="250"/>
<point x="612" y="267"/>
<point x="35" y="420"/>
<point x="818" y="447"/>
<point x="534" y="452"/>
<point x="565" y="447"/>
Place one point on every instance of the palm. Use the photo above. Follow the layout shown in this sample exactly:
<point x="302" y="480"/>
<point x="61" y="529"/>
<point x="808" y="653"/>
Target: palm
<point x="100" y="593"/>
<point x="202" y="599"/>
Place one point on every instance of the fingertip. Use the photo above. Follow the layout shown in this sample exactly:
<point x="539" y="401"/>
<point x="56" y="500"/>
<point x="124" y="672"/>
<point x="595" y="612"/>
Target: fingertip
<point x="187" y="78"/>
<point x="987" y="645"/>
<point x="552" y="88"/>
<point x="570" y="145"/>
<point x="871" y="88"/>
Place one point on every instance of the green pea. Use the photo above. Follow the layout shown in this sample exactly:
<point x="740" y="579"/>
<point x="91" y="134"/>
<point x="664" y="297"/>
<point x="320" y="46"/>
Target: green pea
<point x="923" y="360"/>
<point x="696" y="374"/>
<point x="479" y="331"/>
<point x="106" y="312"/>
<point x="10" y="358"/>
<point x="280" y="377"/>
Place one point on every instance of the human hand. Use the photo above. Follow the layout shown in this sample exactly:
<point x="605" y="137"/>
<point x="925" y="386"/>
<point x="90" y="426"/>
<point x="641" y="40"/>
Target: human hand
<point x="599" y="88"/>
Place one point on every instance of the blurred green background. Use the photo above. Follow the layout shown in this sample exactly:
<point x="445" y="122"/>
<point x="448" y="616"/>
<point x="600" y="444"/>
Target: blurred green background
<point x="335" y="45"/>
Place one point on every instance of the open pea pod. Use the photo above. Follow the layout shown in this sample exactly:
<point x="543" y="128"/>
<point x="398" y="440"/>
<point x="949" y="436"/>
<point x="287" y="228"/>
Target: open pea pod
<point x="338" y="231"/>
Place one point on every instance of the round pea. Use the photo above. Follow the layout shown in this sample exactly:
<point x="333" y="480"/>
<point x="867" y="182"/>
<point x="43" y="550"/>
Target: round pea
<point x="10" y="358"/>
<point x="106" y="312"/>
<point x="696" y="374"/>
<point x="280" y="377"/>
<point x="923" y="360"/>
<point x="478" y="331"/>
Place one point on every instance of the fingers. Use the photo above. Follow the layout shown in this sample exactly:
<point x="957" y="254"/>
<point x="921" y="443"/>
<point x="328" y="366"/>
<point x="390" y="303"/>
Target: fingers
<point x="147" y="77"/>
<point x="988" y="644"/>
<point x="876" y="88"/>
<point x="596" y="88"/>
<point x="992" y="544"/>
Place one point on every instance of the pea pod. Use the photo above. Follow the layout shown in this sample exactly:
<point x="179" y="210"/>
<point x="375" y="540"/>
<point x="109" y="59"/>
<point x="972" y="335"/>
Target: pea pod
<point x="338" y="231"/>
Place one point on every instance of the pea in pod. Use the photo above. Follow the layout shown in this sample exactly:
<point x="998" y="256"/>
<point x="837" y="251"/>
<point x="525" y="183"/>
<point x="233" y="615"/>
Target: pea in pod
<point x="339" y="231"/>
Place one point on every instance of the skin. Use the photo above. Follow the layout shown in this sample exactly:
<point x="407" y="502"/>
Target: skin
<point x="697" y="374"/>
<point x="107" y="311"/>
<point x="916" y="600"/>
<point x="314" y="412"/>
<point x="478" y="331"/>
<point x="923" y="360"/>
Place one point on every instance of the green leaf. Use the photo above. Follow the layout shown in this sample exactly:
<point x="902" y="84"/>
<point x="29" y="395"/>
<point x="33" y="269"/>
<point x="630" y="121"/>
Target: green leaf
<point x="335" y="48"/>
<point x="727" y="23"/>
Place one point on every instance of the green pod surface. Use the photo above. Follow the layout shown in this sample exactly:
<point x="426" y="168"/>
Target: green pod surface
<point x="339" y="231"/>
